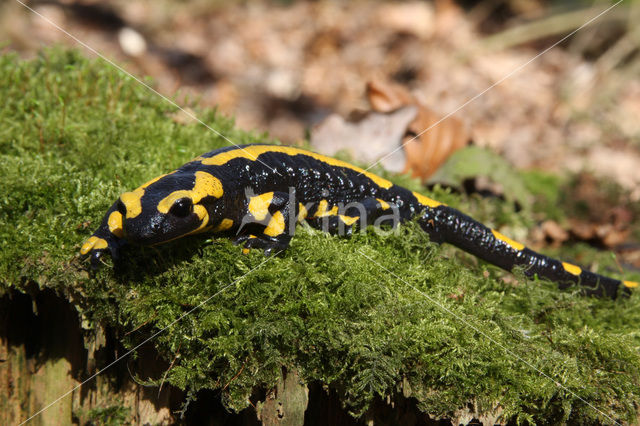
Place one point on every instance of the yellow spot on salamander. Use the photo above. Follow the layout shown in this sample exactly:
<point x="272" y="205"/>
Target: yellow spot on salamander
<point x="630" y="284"/>
<point x="348" y="220"/>
<point x="323" y="211"/>
<point x="131" y="200"/>
<point x="115" y="224"/>
<point x="205" y="185"/>
<point x="516" y="245"/>
<point x="383" y="204"/>
<point x="302" y="212"/>
<point x="426" y="201"/>
<point x="93" y="243"/>
<point x="252" y="152"/>
<point x="276" y="225"/>
<point x="224" y="225"/>
<point x="259" y="205"/>
<point x="572" y="269"/>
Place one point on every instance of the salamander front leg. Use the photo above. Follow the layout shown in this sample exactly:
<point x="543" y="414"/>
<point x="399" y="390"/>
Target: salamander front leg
<point x="108" y="238"/>
<point x="267" y="225"/>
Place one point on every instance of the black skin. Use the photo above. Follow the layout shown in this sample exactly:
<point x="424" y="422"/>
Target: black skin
<point x="310" y="180"/>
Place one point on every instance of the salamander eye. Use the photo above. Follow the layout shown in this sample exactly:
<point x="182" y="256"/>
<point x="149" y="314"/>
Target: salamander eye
<point x="182" y="207"/>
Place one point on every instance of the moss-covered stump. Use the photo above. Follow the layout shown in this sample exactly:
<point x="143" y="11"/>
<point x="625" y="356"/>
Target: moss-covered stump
<point x="375" y="328"/>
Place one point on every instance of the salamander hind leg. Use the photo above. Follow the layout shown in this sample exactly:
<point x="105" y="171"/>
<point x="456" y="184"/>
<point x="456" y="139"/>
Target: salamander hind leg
<point x="342" y="219"/>
<point x="270" y="245"/>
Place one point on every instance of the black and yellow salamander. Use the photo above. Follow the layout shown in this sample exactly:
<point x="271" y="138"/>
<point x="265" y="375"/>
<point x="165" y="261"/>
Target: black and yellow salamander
<point x="257" y="193"/>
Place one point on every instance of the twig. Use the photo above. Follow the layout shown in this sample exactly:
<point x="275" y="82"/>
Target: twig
<point x="164" y="376"/>
<point x="616" y="54"/>
<point x="236" y="375"/>
<point x="548" y="26"/>
<point x="155" y="314"/>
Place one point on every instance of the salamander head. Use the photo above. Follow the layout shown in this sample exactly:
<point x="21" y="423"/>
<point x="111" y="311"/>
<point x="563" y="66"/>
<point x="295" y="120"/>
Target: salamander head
<point x="165" y="208"/>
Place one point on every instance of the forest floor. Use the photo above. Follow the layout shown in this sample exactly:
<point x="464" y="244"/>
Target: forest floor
<point x="283" y="67"/>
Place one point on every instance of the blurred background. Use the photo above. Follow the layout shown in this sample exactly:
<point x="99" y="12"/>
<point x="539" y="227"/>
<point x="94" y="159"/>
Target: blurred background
<point x="484" y="79"/>
<point x="284" y="67"/>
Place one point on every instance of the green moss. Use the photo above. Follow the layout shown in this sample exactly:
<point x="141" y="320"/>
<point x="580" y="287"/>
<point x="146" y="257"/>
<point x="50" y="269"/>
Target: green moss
<point x="428" y="321"/>
<point x="114" y="415"/>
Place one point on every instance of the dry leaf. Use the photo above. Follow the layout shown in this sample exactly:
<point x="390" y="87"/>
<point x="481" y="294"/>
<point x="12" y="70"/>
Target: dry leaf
<point x="550" y="233"/>
<point x="386" y="97"/>
<point x="374" y="137"/>
<point x="605" y="234"/>
<point x="554" y="231"/>
<point x="425" y="150"/>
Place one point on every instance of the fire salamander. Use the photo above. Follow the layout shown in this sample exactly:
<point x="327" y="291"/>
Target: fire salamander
<point x="256" y="194"/>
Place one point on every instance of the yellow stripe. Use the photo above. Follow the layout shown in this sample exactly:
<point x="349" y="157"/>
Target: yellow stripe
<point x="426" y="201"/>
<point x="516" y="245"/>
<point x="131" y="200"/>
<point x="572" y="269"/>
<point x="167" y="202"/>
<point x="630" y="284"/>
<point x="205" y="185"/>
<point x="201" y="212"/>
<point x="252" y="152"/>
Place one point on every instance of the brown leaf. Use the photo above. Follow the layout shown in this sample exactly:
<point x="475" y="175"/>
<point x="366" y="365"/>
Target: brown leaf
<point x="386" y="97"/>
<point x="582" y="230"/>
<point x="425" y="150"/>
<point x="554" y="231"/>
<point x="611" y="236"/>
<point x="606" y="234"/>
<point x="459" y="295"/>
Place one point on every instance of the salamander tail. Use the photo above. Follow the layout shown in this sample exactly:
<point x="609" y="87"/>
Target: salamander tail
<point x="448" y="225"/>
